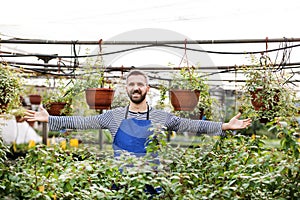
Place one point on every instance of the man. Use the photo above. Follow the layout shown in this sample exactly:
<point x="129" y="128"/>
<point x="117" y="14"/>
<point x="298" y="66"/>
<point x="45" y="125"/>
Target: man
<point x="130" y="125"/>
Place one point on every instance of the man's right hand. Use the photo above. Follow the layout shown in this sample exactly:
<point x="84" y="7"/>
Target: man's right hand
<point x="42" y="115"/>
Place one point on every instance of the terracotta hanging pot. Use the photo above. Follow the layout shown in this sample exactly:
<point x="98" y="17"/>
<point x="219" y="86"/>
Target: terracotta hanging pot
<point x="99" y="98"/>
<point x="184" y="100"/>
<point x="55" y="108"/>
<point x="35" y="99"/>
<point x="257" y="101"/>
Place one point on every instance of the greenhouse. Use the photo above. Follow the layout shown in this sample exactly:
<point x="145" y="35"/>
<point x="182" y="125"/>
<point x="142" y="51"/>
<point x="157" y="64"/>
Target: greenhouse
<point x="149" y="114"/>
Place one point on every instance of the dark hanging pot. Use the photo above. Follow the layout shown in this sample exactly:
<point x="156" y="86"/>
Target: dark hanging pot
<point x="184" y="100"/>
<point x="99" y="98"/>
<point x="257" y="101"/>
<point x="55" y="108"/>
<point x="35" y="99"/>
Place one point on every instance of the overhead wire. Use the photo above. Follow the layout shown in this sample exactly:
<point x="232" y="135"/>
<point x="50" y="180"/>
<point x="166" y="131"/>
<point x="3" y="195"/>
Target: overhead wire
<point x="12" y="54"/>
<point x="285" y="47"/>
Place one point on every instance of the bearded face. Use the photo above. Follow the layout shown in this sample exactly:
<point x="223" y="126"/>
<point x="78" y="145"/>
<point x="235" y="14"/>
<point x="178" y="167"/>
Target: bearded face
<point x="136" y="95"/>
<point x="137" y="89"/>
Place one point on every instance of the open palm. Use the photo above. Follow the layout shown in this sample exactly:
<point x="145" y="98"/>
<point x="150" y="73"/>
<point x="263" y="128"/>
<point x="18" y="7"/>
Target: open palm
<point x="42" y="115"/>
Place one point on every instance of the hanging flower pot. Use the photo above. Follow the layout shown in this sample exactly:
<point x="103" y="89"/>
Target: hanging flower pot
<point x="261" y="101"/>
<point x="99" y="98"/>
<point x="55" y="108"/>
<point x="184" y="100"/>
<point x="35" y="99"/>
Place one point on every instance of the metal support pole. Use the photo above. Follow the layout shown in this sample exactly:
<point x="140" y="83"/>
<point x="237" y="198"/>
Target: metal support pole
<point x="100" y="135"/>
<point x="101" y="139"/>
<point x="169" y="136"/>
<point x="148" y="42"/>
<point x="45" y="132"/>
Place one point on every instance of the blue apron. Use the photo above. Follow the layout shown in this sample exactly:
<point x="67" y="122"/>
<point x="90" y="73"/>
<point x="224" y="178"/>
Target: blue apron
<point x="132" y="135"/>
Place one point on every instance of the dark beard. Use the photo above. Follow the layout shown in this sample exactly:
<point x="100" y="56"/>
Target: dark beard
<point x="137" y="101"/>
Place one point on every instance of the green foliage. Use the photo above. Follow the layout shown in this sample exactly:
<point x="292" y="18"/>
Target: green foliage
<point x="92" y="76"/>
<point x="237" y="167"/>
<point x="275" y="98"/>
<point x="19" y="111"/>
<point x="10" y="88"/>
<point x="62" y="93"/>
<point x="288" y="133"/>
<point x="188" y="78"/>
<point x="3" y="152"/>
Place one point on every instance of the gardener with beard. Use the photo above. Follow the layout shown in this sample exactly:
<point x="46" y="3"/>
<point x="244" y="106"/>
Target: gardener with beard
<point x="130" y="125"/>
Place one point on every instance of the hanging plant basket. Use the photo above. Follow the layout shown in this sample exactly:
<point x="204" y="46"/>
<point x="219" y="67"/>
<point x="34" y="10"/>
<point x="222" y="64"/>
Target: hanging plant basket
<point x="258" y="101"/>
<point x="184" y="100"/>
<point x="55" y="108"/>
<point x="99" y="98"/>
<point x="35" y="99"/>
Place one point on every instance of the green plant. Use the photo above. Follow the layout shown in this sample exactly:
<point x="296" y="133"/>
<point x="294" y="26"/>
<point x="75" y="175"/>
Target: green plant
<point x="62" y="93"/>
<point x="236" y="167"/>
<point x="19" y="113"/>
<point x="10" y="88"/>
<point x="267" y="93"/>
<point x="29" y="89"/>
<point x="288" y="133"/>
<point x="189" y="79"/>
<point x="92" y="75"/>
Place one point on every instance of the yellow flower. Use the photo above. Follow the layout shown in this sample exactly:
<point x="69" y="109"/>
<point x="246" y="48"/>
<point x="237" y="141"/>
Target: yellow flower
<point x="41" y="188"/>
<point x="253" y="137"/>
<point x="173" y="134"/>
<point x="63" y="144"/>
<point x="31" y="143"/>
<point x="73" y="142"/>
<point x="14" y="147"/>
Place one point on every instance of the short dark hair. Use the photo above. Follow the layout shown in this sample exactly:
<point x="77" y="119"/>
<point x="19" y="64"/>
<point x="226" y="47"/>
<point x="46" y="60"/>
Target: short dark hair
<point x="137" y="72"/>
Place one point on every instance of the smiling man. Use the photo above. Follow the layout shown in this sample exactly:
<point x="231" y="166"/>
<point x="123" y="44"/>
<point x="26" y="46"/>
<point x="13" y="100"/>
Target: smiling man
<point x="130" y="125"/>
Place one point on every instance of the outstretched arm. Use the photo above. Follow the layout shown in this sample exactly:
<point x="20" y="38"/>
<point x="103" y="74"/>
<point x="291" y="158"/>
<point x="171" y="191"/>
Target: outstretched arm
<point x="235" y="123"/>
<point x="41" y="116"/>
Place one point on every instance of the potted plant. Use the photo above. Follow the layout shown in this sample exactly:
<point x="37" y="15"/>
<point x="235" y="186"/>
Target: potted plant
<point x="58" y="100"/>
<point x="266" y="93"/>
<point x="99" y="93"/>
<point x="98" y="90"/>
<point x="187" y="89"/>
<point x="34" y="94"/>
<point x="10" y="89"/>
<point x="19" y="113"/>
<point x="189" y="93"/>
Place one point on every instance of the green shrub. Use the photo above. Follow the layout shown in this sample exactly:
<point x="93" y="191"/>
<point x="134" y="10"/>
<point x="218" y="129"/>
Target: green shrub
<point x="236" y="167"/>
